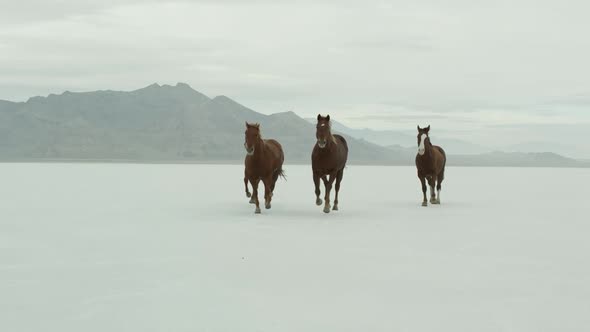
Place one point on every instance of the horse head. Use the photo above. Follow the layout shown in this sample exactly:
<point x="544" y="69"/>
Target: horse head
<point x="423" y="140"/>
<point x="252" y="137"/>
<point x="323" y="131"/>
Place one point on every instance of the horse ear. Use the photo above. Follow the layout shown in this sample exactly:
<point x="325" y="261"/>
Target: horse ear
<point x="418" y="126"/>
<point x="247" y="125"/>
<point x="319" y="117"/>
<point x="328" y="118"/>
<point x="427" y="129"/>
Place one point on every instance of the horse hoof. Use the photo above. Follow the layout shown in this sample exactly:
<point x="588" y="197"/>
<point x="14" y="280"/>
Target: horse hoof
<point x="424" y="204"/>
<point x="257" y="211"/>
<point x="327" y="209"/>
<point x="335" y="208"/>
<point x="267" y="206"/>
<point x="252" y="201"/>
<point x="436" y="202"/>
<point x="432" y="201"/>
<point x="318" y="202"/>
<point x="248" y="194"/>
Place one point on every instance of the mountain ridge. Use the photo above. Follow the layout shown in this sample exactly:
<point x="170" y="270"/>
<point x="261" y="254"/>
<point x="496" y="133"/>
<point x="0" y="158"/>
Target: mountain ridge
<point x="163" y="123"/>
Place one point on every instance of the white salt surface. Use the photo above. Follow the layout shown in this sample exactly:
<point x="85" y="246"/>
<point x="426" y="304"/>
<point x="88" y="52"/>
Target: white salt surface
<point x="114" y="247"/>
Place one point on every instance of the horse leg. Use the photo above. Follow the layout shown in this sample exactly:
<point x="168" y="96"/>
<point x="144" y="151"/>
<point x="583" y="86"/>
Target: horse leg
<point x="255" y="194"/>
<point x="431" y="183"/>
<point x="328" y="184"/>
<point x="316" y="182"/>
<point x="267" y="191"/>
<point x="423" y="181"/>
<point x="252" y="199"/>
<point x="325" y="181"/>
<point x="246" y="186"/>
<point x="337" y="187"/>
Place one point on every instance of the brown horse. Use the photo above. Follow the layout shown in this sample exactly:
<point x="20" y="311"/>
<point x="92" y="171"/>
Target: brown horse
<point x="430" y="162"/>
<point x="328" y="159"/>
<point x="264" y="161"/>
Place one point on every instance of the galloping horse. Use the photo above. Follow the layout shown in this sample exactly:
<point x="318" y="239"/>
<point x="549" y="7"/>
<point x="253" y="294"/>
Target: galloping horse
<point x="264" y="161"/>
<point x="430" y="162"/>
<point x="328" y="158"/>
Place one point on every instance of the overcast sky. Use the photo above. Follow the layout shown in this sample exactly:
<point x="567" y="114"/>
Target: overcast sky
<point x="480" y="70"/>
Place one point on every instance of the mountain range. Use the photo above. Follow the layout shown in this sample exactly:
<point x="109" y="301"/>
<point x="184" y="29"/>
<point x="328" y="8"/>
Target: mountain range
<point x="401" y="138"/>
<point x="165" y="123"/>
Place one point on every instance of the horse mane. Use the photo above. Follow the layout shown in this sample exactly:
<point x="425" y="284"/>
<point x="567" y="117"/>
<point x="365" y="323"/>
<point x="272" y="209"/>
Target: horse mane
<point x="255" y="126"/>
<point x="333" y="138"/>
<point x="332" y="135"/>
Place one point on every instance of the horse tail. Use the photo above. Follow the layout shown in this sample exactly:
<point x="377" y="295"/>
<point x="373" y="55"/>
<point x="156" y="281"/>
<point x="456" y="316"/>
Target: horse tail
<point x="281" y="172"/>
<point x="444" y="157"/>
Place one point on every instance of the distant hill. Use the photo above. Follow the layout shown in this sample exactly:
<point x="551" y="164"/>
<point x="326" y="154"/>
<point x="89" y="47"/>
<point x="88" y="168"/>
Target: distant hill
<point x="394" y="137"/>
<point x="520" y="159"/>
<point x="499" y="158"/>
<point x="156" y="123"/>
<point x="565" y="149"/>
<point x="164" y="123"/>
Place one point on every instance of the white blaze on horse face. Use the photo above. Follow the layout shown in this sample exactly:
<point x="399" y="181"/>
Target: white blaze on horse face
<point x="249" y="152"/>
<point x="322" y="142"/>
<point x="422" y="146"/>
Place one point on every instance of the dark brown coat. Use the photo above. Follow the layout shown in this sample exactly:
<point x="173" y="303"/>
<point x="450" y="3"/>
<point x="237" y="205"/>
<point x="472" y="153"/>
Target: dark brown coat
<point x="263" y="162"/>
<point x="328" y="160"/>
<point x="430" y="163"/>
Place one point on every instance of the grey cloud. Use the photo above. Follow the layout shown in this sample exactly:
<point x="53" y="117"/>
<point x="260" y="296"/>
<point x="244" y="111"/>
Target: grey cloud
<point x="397" y="117"/>
<point x="455" y="62"/>
<point x="23" y="12"/>
<point x="581" y="100"/>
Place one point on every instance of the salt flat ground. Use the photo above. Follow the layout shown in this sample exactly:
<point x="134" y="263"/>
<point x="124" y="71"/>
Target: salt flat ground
<point x="116" y="247"/>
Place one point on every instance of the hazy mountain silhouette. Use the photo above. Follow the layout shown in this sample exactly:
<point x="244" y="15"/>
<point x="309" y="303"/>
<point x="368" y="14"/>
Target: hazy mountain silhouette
<point x="395" y="137"/>
<point x="155" y="123"/>
<point x="163" y="123"/>
<point x="500" y="158"/>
